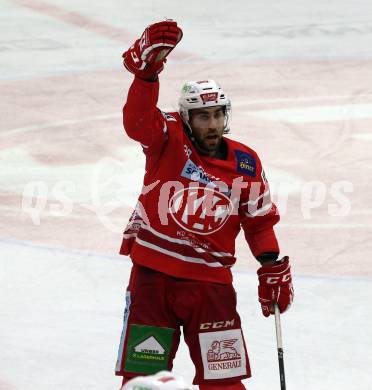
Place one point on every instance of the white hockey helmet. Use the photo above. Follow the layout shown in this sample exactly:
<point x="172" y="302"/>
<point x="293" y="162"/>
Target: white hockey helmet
<point x="201" y="94"/>
<point x="163" y="380"/>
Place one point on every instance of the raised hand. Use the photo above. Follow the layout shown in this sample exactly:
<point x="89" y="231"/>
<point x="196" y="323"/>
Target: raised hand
<point x="146" y="57"/>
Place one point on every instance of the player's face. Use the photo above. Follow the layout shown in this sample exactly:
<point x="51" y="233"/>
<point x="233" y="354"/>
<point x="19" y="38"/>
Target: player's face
<point x="207" y="126"/>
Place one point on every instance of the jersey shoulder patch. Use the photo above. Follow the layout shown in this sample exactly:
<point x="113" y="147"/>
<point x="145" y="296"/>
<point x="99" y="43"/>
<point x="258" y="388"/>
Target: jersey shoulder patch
<point x="246" y="163"/>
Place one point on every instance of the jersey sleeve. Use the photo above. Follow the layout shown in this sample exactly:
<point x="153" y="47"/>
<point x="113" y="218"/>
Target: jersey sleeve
<point x="142" y="120"/>
<point x="258" y="215"/>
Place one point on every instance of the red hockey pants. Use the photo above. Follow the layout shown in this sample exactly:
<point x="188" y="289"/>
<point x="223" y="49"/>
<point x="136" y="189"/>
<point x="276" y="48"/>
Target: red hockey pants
<point x="157" y="305"/>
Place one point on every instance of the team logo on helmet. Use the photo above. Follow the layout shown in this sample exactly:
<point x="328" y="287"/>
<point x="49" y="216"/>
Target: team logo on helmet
<point x="209" y="97"/>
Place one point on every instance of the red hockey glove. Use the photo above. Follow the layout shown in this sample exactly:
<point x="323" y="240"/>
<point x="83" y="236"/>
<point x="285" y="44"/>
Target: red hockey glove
<point x="275" y="287"/>
<point x="146" y="57"/>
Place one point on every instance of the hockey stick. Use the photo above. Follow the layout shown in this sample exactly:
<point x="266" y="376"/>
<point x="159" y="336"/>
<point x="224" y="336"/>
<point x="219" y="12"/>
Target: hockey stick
<point x="280" y="347"/>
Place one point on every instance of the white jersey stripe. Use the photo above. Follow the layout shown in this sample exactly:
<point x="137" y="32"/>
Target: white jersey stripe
<point x="184" y="242"/>
<point x="129" y="235"/>
<point x="124" y="331"/>
<point x="253" y="202"/>
<point x="260" y="211"/>
<point x="165" y="128"/>
<point x="177" y="255"/>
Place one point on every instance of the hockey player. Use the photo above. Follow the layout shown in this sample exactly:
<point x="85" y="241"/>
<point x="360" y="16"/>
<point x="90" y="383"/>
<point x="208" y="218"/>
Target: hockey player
<point x="200" y="188"/>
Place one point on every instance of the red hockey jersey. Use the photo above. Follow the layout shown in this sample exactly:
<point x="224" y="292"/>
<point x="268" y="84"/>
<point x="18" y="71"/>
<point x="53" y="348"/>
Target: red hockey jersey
<point x="192" y="206"/>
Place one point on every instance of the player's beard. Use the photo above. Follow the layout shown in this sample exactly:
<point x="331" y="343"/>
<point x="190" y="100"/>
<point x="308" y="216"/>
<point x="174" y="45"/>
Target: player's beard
<point x="211" y="142"/>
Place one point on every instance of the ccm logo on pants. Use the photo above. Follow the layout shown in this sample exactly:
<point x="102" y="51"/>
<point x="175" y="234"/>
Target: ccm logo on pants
<point x="217" y="325"/>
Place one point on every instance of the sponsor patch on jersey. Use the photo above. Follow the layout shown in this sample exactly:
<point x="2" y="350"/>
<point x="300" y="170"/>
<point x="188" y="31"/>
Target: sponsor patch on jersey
<point x="246" y="163"/>
<point x="168" y="117"/>
<point x="223" y="354"/>
<point x="148" y="349"/>
<point x="194" y="173"/>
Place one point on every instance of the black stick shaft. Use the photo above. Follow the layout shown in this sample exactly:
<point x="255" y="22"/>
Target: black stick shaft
<point x="281" y="368"/>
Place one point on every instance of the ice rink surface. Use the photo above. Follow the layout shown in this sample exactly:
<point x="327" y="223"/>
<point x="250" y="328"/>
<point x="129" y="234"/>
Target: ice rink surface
<point x="299" y="75"/>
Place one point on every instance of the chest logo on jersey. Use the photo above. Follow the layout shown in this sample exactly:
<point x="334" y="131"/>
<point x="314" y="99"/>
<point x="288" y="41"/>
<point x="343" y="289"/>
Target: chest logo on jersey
<point x="245" y="163"/>
<point x="200" y="210"/>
